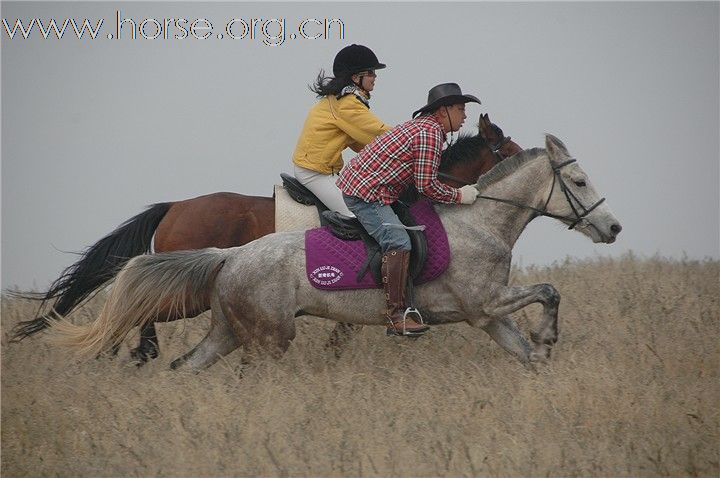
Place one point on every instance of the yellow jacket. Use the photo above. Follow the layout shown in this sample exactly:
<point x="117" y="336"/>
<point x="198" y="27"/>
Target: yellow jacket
<point x="331" y="126"/>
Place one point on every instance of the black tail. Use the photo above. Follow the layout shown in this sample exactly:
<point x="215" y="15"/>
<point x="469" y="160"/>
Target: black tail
<point x="98" y="264"/>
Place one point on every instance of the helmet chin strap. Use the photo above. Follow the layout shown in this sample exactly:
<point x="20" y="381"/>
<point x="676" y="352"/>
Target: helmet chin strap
<point x="359" y="85"/>
<point x="452" y="132"/>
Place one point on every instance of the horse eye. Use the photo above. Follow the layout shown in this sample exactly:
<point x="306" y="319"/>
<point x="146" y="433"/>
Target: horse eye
<point x="580" y="184"/>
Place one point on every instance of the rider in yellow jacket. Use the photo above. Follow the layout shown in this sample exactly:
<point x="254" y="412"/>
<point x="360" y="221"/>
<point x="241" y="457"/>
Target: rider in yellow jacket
<point x="340" y="119"/>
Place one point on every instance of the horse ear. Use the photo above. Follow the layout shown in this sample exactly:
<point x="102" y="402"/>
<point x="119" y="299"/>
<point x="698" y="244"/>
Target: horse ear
<point x="555" y="148"/>
<point x="483" y="122"/>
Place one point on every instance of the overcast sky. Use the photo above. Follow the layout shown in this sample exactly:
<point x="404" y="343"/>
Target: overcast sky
<point x="95" y="130"/>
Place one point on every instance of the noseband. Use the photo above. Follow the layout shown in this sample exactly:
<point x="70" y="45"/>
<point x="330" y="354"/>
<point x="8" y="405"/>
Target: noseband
<point x="568" y="195"/>
<point x="497" y="146"/>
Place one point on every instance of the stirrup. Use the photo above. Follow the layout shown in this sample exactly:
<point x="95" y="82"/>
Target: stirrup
<point x="393" y="330"/>
<point x="413" y="310"/>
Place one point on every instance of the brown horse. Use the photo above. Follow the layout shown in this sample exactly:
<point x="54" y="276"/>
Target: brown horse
<point x="222" y="220"/>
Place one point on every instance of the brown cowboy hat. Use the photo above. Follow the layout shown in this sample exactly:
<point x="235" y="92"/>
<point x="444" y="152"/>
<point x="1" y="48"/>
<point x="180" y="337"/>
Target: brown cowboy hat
<point x="445" y="94"/>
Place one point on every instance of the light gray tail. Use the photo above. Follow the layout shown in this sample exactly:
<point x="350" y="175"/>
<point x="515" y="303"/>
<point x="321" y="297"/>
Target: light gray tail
<point x="147" y="288"/>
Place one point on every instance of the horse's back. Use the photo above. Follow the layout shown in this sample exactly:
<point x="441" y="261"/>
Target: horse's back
<point x="215" y="220"/>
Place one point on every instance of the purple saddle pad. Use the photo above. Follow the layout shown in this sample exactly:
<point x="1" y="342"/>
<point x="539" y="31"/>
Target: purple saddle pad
<point x="333" y="264"/>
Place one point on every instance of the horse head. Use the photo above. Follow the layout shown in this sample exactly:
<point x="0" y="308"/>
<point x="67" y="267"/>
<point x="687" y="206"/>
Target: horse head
<point x="501" y="145"/>
<point x="574" y="200"/>
<point x="471" y="156"/>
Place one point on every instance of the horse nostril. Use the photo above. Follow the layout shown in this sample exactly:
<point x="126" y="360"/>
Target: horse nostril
<point x="616" y="228"/>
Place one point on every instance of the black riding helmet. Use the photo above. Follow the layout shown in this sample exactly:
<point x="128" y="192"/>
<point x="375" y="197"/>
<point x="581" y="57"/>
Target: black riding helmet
<point x="354" y="59"/>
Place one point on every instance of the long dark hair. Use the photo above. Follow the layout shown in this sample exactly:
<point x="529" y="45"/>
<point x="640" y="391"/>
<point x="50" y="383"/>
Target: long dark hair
<point x="330" y="85"/>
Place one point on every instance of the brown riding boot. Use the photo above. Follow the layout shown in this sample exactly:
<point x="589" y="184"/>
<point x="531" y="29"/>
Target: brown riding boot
<point x="394" y="274"/>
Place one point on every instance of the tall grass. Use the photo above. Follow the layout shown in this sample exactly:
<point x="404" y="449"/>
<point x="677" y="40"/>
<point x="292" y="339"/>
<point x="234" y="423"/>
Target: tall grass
<point x="632" y="389"/>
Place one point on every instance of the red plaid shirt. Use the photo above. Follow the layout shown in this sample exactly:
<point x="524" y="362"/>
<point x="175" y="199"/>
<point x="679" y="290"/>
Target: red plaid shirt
<point x="407" y="154"/>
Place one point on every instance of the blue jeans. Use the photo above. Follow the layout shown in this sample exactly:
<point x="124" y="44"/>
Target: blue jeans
<point x="372" y="215"/>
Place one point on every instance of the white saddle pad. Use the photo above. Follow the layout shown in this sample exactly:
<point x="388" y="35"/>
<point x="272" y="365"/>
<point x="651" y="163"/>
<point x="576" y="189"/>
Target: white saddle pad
<point x="293" y="216"/>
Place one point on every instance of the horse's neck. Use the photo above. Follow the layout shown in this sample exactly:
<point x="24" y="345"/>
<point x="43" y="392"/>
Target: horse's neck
<point x="483" y="164"/>
<point x="469" y="171"/>
<point x="529" y="186"/>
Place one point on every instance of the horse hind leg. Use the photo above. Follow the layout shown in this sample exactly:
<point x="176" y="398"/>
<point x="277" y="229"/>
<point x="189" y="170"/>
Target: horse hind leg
<point x="222" y="339"/>
<point x="219" y="341"/>
<point x="148" y="347"/>
<point x="340" y="336"/>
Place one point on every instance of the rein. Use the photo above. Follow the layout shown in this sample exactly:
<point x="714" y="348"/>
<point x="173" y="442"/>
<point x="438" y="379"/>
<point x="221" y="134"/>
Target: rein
<point x="568" y="195"/>
<point x="453" y="178"/>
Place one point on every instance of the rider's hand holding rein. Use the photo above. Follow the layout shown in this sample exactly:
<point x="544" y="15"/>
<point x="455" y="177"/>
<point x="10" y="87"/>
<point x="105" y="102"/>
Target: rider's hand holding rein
<point x="468" y="194"/>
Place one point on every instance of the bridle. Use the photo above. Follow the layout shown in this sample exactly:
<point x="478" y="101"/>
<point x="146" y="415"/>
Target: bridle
<point x="495" y="148"/>
<point x="568" y="195"/>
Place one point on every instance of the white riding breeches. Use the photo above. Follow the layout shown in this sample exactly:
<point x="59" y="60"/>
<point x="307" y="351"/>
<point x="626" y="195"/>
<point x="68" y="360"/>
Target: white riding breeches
<point x="323" y="186"/>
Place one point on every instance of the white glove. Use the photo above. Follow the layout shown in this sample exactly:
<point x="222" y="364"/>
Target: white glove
<point x="468" y="194"/>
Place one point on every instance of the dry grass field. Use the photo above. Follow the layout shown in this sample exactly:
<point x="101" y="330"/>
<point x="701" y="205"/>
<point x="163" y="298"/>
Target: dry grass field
<point x="632" y="390"/>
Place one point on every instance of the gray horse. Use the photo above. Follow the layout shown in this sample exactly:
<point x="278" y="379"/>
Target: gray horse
<point x="256" y="290"/>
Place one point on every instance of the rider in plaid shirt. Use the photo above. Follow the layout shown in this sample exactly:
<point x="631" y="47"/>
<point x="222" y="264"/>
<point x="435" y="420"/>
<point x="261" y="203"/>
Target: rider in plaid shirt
<point x="409" y="153"/>
<point x="374" y="179"/>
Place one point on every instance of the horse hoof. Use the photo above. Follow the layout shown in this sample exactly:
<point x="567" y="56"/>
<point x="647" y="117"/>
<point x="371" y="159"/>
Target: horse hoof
<point x="142" y="355"/>
<point x="177" y="363"/>
<point x="540" y="354"/>
<point x="138" y="357"/>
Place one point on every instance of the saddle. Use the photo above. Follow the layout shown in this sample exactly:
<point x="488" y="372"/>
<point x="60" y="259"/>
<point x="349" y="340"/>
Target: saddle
<point x="349" y="229"/>
<point x="335" y="264"/>
<point x="303" y="195"/>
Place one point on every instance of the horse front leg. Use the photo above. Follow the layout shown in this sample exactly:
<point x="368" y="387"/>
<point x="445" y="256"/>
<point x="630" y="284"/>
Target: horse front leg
<point x="510" y="299"/>
<point x="505" y="332"/>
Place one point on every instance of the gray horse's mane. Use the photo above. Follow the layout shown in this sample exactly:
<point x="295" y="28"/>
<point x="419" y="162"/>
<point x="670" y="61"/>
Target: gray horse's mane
<point x="507" y="166"/>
